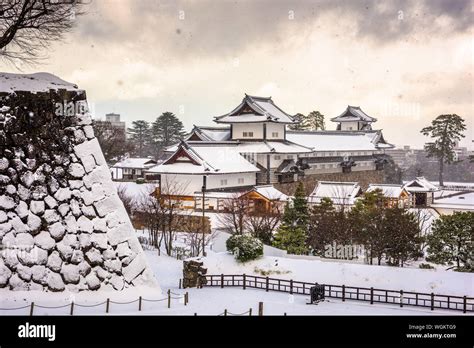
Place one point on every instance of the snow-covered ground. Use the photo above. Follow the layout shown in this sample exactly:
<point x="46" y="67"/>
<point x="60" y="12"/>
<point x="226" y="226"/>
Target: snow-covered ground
<point x="213" y="301"/>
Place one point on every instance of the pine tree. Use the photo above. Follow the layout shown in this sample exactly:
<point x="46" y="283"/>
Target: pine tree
<point x="299" y="122"/>
<point x="321" y="224"/>
<point x="292" y="233"/>
<point x="403" y="236"/>
<point x="452" y="241"/>
<point x="368" y="220"/>
<point x="314" y="121"/>
<point x="446" y="130"/>
<point x="140" y="135"/>
<point x="167" y="130"/>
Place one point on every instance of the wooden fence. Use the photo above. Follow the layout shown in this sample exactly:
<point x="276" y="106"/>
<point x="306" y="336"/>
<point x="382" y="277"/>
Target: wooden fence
<point x="343" y="292"/>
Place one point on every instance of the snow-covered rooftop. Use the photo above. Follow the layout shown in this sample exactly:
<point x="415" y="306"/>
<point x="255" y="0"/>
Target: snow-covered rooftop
<point x="341" y="193"/>
<point x="210" y="133"/>
<point x="207" y="159"/>
<point x="353" y="113"/>
<point x="462" y="201"/>
<point x="38" y="82"/>
<point x="332" y="140"/>
<point x="270" y="192"/>
<point x="255" y="109"/>
<point x="420" y="184"/>
<point x="140" y="163"/>
<point x="388" y="190"/>
<point x="272" y="147"/>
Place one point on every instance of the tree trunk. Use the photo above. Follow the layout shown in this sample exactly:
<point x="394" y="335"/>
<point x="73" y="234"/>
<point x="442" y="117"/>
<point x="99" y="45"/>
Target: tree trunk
<point x="441" y="170"/>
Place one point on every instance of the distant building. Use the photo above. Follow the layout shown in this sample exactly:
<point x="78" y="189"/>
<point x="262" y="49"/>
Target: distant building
<point x="395" y="195"/>
<point x="422" y="191"/>
<point x="131" y="168"/>
<point x="354" y="119"/>
<point x="404" y="158"/>
<point x="114" y="120"/>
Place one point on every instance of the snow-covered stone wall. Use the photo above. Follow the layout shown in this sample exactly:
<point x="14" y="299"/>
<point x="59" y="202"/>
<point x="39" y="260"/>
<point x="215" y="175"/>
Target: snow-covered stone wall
<point x="62" y="224"/>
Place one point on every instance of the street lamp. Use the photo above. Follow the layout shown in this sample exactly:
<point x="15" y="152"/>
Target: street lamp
<point x="203" y="189"/>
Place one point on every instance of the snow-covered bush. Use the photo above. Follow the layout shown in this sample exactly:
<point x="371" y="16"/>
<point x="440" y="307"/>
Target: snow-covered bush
<point x="245" y="247"/>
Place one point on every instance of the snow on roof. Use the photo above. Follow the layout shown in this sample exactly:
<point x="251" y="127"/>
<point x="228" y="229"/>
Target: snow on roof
<point x="388" y="190"/>
<point x="353" y="113"/>
<point x="38" y="82"/>
<point x="141" y="163"/>
<point x="210" y="159"/>
<point x="338" y="192"/>
<point x="134" y="190"/>
<point x="264" y="110"/>
<point x="420" y="184"/>
<point x="211" y="133"/>
<point x="332" y="140"/>
<point x="272" y="147"/>
<point x="462" y="201"/>
<point x="270" y="192"/>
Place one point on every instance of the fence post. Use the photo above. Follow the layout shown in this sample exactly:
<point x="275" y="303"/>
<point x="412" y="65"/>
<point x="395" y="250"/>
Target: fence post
<point x="464" y="307"/>
<point x="180" y="283"/>
<point x="72" y="308"/>
<point x="222" y="280"/>
<point x="432" y="301"/>
<point x="401" y="298"/>
<point x="244" y="281"/>
<point x="260" y="309"/>
<point x="250" y="312"/>
<point x="186" y="299"/>
<point x="266" y="284"/>
<point x="169" y="298"/>
<point x="31" y="308"/>
<point x="140" y="303"/>
<point x="225" y="312"/>
<point x="107" y="306"/>
<point x="371" y="295"/>
<point x="343" y="293"/>
<point x="291" y="286"/>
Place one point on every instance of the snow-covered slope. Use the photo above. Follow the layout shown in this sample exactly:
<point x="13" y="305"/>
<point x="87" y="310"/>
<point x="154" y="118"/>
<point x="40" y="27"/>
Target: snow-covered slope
<point x="38" y="82"/>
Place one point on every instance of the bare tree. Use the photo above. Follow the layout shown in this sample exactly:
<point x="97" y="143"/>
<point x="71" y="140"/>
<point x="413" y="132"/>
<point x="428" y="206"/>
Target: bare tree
<point x="163" y="213"/>
<point x="263" y="225"/>
<point x="29" y="26"/>
<point x="237" y="209"/>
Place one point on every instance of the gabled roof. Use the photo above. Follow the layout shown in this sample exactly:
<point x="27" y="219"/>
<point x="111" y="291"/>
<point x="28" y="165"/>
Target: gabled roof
<point x="420" y="184"/>
<point x="388" y="190"/>
<point x="209" y="134"/>
<point x="254" y="109"/>
<point x="205" y="159"/>
<point x="353" y="113"/>
<point x="341" y="193"/>
<point x="269" y="192"/>
<point x="137" y="163"/>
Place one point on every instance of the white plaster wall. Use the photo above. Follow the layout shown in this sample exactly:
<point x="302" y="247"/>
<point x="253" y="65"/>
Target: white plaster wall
<point x="275" y="127"/>
<point x="238" y="129"/>
<point x="348" y="125"/>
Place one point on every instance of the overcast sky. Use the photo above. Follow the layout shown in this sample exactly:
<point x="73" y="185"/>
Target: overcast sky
<point x="403" y="62"/>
